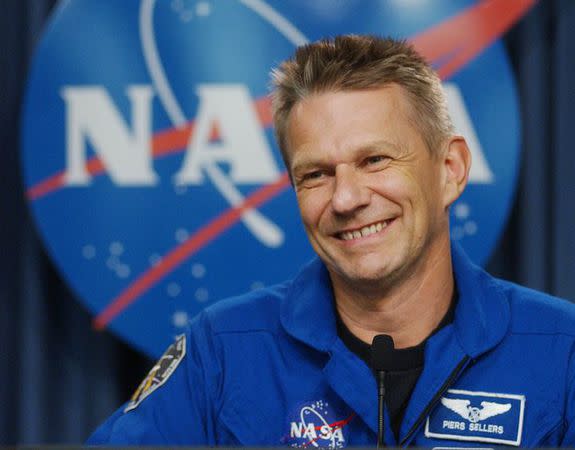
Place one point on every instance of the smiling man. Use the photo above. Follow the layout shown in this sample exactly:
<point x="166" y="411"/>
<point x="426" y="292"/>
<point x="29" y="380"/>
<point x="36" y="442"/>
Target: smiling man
<point x="466" y="359"/>
<point x="374" y="200"/>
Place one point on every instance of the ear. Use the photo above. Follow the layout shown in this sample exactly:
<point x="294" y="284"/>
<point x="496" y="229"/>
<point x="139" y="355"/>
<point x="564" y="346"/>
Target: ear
<point x="456" y="163"/>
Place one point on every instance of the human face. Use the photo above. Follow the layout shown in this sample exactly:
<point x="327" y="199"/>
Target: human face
<point x="369" y="191"/>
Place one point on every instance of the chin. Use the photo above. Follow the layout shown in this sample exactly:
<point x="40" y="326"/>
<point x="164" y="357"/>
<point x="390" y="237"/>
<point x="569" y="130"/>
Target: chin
<point x="382" y="270"/>
<point x="366" y="274"/>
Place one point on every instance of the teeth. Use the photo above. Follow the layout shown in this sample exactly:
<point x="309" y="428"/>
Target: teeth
<point x="365" y="231"/>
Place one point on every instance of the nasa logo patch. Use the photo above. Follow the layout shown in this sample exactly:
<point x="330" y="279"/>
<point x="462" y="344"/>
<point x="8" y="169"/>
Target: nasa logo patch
<point x="478" y="417"/>
<point x="316" y="424"/>
<point x="149" y="158"/>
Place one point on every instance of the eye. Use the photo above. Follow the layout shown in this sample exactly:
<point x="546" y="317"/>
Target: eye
<point x="315" y="175"/>
<point x="375" y="159"/>
<point x="375" y="162"/>
<point x="311" y="179"/>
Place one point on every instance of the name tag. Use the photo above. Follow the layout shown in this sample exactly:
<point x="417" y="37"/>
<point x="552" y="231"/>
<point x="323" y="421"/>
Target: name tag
<point x="478" y="417"/>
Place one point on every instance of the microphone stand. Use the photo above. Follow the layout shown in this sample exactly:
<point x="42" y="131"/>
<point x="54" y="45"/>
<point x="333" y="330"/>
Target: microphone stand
<point x="380" y="406"/>
<point x="381" y="351"/>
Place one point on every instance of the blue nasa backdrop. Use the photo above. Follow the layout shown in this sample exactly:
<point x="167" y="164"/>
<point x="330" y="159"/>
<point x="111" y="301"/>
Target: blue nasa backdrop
<point x="110" y="239"/>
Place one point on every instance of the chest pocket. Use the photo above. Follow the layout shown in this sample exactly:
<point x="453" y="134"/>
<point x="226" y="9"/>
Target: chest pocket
<point x="247" y="422"/>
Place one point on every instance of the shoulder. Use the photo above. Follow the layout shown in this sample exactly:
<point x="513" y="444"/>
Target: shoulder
<point x="536" y="312"/>
<point x="258" y="310"/>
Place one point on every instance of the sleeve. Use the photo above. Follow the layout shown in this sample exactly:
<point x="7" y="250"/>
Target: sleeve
<point x="568" y="438"/>
<point x="173" y="404"/>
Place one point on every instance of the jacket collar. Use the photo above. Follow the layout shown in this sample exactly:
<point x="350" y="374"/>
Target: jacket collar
<point x="481" y="317"/>
<point x="483" y="313"/>
<point x="308" y="311"/>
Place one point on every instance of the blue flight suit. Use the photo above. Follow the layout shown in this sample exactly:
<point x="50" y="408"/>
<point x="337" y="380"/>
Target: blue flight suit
<point x="268" y="369"/>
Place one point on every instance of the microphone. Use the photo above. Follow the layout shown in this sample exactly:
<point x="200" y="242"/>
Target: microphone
<point x="381" y="354"/>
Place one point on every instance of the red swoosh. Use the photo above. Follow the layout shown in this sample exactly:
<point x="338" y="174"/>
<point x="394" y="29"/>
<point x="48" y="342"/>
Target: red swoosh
<point x="460" y="39"/>
<point x="453" y="42"/>
<point x="173" y="259"/>
<point x="333" y="426"/>
<point x="166" y="142"/>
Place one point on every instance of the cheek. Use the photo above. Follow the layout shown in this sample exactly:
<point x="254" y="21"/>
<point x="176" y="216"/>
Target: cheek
<point x="412" y="193"/>
<point x="395" y="186"/>
<point x="311" y="205"/>
<point x="419" y="184"/>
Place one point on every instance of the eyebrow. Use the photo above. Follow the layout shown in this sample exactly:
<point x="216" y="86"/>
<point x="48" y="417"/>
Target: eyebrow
<point x="377" y="146"/>
<point x="361" y="151"/>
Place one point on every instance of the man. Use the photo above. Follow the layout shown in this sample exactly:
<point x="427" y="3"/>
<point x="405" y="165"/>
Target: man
<point x="364" y="132"/>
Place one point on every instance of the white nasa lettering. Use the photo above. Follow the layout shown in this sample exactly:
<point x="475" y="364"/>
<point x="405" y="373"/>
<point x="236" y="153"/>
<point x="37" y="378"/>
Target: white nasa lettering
<point x="298" y="429"/>
<point x="310" y="432"/>
<point x="126" y="153"/>
<point x="91" y="115"/>
<point x="327" y="432"/>
<point x="243" y="144"/>
<point x="480" y="172"/>
<point x="337" y="435"/>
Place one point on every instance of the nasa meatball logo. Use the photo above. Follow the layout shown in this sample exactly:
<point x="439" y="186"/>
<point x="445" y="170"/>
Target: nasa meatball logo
<point x="315" y="425"/>
<point x="148" y="151"/>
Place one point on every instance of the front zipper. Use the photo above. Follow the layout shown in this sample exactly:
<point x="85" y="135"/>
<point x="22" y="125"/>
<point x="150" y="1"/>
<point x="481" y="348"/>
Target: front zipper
<point x="452" y="377"/>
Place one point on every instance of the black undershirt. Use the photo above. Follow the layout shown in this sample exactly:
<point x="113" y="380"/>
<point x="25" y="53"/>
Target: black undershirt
<point x="407" y="365"/>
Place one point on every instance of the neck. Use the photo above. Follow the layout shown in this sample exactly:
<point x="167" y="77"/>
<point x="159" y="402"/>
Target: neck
<point x="409" y="309"/>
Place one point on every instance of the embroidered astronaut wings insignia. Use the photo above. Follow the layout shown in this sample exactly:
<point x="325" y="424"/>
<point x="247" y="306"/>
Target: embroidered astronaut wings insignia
<point x="472" y="413"/>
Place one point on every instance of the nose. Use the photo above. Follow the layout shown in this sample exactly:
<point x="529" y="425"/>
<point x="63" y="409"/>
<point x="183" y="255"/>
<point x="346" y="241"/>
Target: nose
<point x="349" y="193"/>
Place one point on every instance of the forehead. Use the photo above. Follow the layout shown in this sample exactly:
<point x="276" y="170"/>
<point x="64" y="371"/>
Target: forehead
<point x="337" y="122"/>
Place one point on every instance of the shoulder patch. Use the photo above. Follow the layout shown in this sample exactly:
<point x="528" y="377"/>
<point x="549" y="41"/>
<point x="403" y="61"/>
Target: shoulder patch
<point x="160" y="373"/>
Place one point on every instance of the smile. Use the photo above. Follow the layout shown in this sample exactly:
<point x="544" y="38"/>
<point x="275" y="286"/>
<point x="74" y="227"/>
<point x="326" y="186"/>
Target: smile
<point x="364" y="231"/>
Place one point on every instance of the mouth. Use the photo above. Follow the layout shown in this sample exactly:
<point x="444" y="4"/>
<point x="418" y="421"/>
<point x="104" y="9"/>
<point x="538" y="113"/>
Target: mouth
<point x="368" y="230"/>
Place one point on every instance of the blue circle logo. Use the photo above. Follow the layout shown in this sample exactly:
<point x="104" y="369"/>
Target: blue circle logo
<point x="149" y="157"/>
